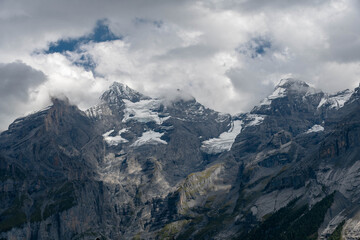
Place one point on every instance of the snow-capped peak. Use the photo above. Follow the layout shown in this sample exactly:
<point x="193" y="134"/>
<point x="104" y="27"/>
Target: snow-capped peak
<point x="286" y="86"/>
<point x="118" y="91"/>
<point x="290" y="83"/>
<point x="296" y="86"/>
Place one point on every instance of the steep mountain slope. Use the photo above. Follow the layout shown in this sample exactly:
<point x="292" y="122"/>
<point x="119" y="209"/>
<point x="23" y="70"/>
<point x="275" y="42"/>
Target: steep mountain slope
<point x="287" y="157"/>
<point x="46" y="161"/>
<point x="138" y="167"/>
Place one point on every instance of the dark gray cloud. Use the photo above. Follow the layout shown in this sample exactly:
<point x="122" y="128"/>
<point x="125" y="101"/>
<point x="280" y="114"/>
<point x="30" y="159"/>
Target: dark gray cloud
<point x="256" y="5"/>
<point x="17" y="80"/>
<point x="344" y="35"/>
<point x="260" y="5"/>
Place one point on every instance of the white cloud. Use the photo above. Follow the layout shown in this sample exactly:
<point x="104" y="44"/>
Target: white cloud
<point x="189" y="45"/>
<point x="64" y="78"/>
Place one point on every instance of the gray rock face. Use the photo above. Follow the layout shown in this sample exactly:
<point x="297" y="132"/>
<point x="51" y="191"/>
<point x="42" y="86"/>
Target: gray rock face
<point x="143" y="168"/>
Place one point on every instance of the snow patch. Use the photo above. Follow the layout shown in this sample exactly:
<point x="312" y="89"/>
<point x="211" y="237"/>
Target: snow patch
<point x="337" y="100"/>
<point x="224" y="141"/>
<point x="322" y="102"/>
<point x="315" y="128"/>
<point x="285" y="81"/>
<point x="278" y="93"/>
<point x="149" y="137"/>
<point x="114" y="140"/>
<point x="265" y="101"/>
<point x="98" y="111"/>
<point x="255" y="119"/>
<point x="340" y="100"/>
<point x="143" y="111"/>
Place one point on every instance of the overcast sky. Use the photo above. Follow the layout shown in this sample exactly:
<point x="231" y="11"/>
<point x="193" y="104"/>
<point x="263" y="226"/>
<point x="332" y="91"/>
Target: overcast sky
<point x="226" y="53"/>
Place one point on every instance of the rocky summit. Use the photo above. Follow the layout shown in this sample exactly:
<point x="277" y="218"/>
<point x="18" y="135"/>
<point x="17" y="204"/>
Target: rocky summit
<point x="136" y="167"/>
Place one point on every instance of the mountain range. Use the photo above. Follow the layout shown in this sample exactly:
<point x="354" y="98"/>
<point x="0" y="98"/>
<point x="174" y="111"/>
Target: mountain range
<point x="136" y="167"/>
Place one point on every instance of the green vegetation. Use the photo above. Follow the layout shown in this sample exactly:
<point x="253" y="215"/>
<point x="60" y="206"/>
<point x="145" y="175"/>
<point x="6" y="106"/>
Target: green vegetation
<point x="60" y="200"/>
<point x="89" y="234"/>
<point x="209" y="202"/>
<point x="212" y="227"/>
<point x="197" y="179"/>
<point x="12" y="172"/>
<point x="36" y="214"/>
<point x="196" y="184"/>
<point x="63" y="199"/>
<point x="14" y="216"/>
<point x="137" y="237"/>
<point x="191" y="228"/>
<point x="336" y="235"/>
<point x="186" y="235"/>
<point x="170" y="230"/>
<point x="292" y="222"/>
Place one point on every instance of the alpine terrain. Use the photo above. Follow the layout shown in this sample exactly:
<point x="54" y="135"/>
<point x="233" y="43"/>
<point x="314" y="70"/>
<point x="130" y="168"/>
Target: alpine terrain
<point x="135" y="167"/>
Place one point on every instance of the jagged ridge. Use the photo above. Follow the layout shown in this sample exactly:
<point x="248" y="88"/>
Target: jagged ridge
<point x="61" y="167"/>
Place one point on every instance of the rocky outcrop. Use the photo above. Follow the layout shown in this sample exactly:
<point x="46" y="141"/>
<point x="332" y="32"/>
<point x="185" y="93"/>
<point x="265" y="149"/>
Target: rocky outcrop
<point x="134" y="167"/>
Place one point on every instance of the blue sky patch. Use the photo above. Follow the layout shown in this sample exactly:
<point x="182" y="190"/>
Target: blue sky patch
<point x="255" y="47"/>
<point x="100" y="33"/>
<point x="261" y="45"/>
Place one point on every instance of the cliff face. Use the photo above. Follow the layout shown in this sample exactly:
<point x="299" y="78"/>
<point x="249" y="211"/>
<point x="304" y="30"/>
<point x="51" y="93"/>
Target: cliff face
<point x="143" y="168"/>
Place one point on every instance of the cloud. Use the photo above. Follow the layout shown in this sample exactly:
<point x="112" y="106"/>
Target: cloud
<point x="100" y="33"/>
<point x="18" y="82"/>
<point x="143" y="21"/>
<point x="17" y="78"/>
<point x="228" y="54"/>
<point x="64" y="78"/>
<point x="261" y="5"/>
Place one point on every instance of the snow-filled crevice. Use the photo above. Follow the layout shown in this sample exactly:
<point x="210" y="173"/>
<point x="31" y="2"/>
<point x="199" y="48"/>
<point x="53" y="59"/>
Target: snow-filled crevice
<point x="224" y="141"/>
<point x="315" y="128"/>
<point x="114" y="140"/>
<point x="143" y="111"/>
<point x="149" y="137"/>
